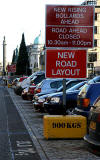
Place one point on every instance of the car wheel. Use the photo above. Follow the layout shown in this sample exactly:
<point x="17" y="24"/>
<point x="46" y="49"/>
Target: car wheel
<point x="70" y="106"/>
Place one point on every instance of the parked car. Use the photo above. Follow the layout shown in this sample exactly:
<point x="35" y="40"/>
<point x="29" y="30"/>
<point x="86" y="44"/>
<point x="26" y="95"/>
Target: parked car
<point x="24" y="93"/>
<point x="34" y="78"/>
<point x="15" y="81"/>
<point x="69" y="83"/>
<point x="22" y="78"/>
<point x="93" y="136"/>
<point x="33" y="83"/>
<point x="86" y="98"/>
<point x="30" y="92"/>
<point x="48" y="85"/>
<point x="19" y="79"/>
<point x="53" y="103"/>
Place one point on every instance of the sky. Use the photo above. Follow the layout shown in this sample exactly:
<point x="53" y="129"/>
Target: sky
<point x="24" y="16"/>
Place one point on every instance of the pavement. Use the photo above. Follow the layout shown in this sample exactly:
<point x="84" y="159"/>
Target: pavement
<point x="15" y="141"/>
<point x="55" y="149"/>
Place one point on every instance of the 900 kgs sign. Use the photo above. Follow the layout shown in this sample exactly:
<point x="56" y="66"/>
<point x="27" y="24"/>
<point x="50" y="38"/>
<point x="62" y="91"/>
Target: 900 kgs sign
<point x="66" y="64"/>
<point x="69" y="26"/>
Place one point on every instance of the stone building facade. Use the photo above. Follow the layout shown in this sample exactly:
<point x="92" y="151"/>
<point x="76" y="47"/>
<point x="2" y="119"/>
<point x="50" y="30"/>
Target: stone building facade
<point x="35" y="51"/>
<point x="93" y="64"/>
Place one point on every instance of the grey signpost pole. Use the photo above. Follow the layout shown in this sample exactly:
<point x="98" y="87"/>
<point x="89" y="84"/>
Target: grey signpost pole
<point x="64" y="96"/>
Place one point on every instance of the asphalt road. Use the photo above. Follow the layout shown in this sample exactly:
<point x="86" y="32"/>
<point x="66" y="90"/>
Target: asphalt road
<point x="15" y="141"/>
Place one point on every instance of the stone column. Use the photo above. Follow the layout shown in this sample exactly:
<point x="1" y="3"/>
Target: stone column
<point x="4" y="56"/>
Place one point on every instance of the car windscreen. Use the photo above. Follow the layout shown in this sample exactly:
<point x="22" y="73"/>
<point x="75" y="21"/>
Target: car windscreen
<point x="77" y="86"/>
<point x="33" y="78"/>
<point x="95" y="79"/>
<point x="70" y="85"/>
<point x="39" y="84"/>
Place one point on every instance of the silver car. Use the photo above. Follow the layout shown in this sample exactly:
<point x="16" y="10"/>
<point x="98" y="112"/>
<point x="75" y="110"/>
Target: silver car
<point x="48" y="85"/>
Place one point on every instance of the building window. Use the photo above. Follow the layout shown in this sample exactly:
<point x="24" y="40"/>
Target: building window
<point x="95" y="29"/>
<point x="91" y="2"/>
<point x="95" y="16"/>
<point x="90" y="65"/>
<point x="92" y="57"/>
<point x="35" y="65"/>
<point x="95" y="43"/>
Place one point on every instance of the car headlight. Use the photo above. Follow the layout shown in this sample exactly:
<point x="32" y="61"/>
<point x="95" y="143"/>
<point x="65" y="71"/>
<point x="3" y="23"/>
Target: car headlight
<point x="41" y="100"/>
<point x="55" y="99"/>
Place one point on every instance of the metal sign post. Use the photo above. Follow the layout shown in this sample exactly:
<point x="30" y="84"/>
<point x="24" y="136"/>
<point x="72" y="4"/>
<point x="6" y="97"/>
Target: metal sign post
<point x="64" y="96"/>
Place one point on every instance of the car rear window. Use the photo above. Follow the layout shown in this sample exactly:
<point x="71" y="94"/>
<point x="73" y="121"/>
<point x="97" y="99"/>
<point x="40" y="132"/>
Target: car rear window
<point x="84" y="89"/>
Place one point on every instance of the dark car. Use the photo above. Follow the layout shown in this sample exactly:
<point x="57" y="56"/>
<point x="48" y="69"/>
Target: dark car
<point x="69" y="83"/>
<point x="38" y="104"/>
<point x="53" y="103"/>
<point x="93" y="136"/>
<point x="86" y="98"/>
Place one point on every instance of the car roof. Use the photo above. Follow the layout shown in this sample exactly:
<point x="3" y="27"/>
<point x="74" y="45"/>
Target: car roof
<point x="67" y="79"/>
<point x="94" y="79"/>
<point x="53" y="79"/>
